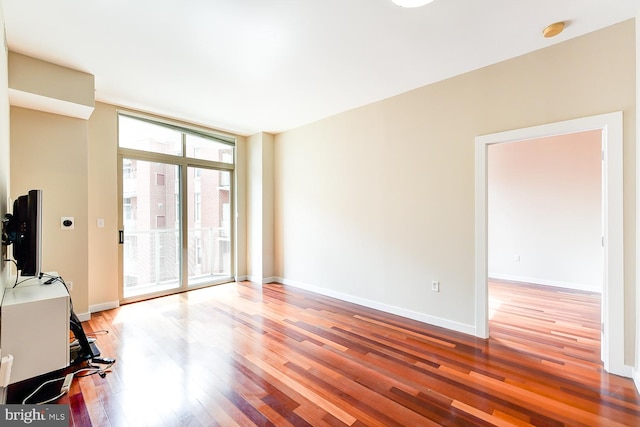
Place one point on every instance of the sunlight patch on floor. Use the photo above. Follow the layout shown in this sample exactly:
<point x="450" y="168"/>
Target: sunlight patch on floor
<point x="494" y="306"/>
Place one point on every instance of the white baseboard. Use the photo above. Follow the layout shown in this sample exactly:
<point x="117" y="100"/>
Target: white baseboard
<point x="84" y="317"/>
<point x="421" y="317"/>
<point x="242" y="278"/>
<point x="625" y="371"/>
<point x="539" y="281"/>
<point x="104" y="306"/>
<point x="263" y="281"/>
<point x="636" y="378"/>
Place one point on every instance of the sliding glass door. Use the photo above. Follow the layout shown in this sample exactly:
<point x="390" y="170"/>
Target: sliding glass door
<point x="176" y="192"/>
<point x="209" y="218"/>
<point x="151" y="240"/>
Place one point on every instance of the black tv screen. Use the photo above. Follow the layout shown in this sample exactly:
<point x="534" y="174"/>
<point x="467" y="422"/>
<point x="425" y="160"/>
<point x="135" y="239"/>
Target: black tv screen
<point x="23" y="229"/>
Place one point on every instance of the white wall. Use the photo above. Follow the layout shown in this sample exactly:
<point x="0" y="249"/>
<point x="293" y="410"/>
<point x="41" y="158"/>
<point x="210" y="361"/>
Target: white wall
<point x="375" y="203"/>
<point x="545" y="211"/>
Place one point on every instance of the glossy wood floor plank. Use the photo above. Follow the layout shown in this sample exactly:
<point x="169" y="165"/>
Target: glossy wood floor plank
<point x="241" y="354"/>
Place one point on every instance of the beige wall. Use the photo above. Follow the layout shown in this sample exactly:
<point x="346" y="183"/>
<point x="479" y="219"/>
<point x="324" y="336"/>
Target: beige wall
<point x="241" y="183"/>
<point x="545" y="208"/>
<point x="4" y="142"/>
<point x="375" y="203"/>
<point x="49" y="152"/>
<point x="43" y="86"/>
<point x="260" y="207"/>
<point x="636" y="371"/>
<point x="102" y="203"/>
<point x="254" y="207"/>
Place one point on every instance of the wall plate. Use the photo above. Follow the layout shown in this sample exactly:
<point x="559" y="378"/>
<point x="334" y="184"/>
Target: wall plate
<point x="67" y="223"/>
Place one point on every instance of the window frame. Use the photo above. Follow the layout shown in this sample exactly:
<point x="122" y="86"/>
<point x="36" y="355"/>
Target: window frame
<point x="184" y="162"/>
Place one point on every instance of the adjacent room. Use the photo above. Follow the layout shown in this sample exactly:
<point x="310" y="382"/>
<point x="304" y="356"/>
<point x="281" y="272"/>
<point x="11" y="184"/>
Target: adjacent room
<point x="545" y="232"/>
<point x="320" y="213"/>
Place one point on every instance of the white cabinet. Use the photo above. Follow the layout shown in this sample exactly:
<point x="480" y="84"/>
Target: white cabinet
<point x="34" y="328"/>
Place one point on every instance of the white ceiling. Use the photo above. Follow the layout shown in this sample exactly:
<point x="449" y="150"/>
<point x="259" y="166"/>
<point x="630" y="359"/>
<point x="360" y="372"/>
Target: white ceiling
<point x="270" y="65"/>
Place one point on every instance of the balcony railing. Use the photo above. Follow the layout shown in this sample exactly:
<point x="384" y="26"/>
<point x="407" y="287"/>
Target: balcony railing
<point x="152" y="258"/>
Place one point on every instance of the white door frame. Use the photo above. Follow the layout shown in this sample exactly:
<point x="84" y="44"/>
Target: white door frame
<point x="612" y="176"/>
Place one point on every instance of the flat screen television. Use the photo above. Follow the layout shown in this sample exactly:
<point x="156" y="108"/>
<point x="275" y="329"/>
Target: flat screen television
<point x="22" y="228"/>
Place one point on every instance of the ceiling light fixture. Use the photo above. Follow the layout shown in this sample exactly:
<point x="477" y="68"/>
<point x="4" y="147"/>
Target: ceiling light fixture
<point x="411" y="3"/>
<point x="553" y="29"/>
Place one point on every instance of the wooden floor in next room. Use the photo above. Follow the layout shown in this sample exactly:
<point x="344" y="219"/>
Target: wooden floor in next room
<point x="242" y="354"/>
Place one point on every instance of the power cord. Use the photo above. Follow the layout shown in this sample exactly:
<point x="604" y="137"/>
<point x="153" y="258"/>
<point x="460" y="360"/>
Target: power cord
<point x="101" y="371"/>
<point x="38" y="277"/>
<point x="16" y="264"/>
<point x="53" y="279"/>
<point x="98" y="332"/>
<point x="52" y="399"/>
<point x="24" y="402"/>
<point x="22" y="281"/>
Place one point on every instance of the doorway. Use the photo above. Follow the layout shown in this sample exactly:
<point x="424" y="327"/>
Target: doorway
<point x="610" y="126"/>
<point x="545" y="255"/>
<point x="545" y="211"/>
<point x="176" y="191"/>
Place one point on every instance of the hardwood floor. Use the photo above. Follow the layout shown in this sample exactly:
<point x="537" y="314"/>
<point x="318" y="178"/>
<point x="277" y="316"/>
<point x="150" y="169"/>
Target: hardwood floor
<point x="562" y="323"/>
<point x="241" y="354"/>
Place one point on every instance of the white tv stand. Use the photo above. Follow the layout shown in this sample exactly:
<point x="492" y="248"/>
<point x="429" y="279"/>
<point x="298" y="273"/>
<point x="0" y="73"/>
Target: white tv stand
<point x="34" y="327"/>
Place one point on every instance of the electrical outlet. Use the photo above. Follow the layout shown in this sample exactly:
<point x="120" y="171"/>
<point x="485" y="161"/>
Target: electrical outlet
<point x="435" y="286"/>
